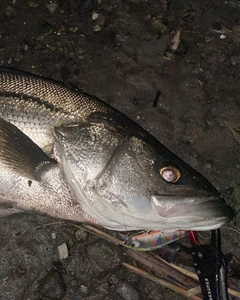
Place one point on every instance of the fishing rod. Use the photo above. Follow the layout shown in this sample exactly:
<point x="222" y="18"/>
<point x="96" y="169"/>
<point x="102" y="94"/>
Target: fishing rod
<point x="210" y="266"/>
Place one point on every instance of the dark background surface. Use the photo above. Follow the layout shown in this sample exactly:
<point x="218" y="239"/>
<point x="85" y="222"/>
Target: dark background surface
<point x="119" y="58"/>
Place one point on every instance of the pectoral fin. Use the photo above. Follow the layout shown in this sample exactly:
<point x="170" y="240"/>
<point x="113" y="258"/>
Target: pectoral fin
<point x="19" y="153"/>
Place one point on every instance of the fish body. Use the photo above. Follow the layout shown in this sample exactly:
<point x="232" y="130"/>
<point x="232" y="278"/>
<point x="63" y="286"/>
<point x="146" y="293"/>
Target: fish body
<point x="104" y="168"/>
<point x="36" y="105"/>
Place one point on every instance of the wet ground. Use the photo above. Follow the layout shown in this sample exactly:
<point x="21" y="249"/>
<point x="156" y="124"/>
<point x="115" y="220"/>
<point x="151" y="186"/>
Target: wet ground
<point x="116" y="50"/>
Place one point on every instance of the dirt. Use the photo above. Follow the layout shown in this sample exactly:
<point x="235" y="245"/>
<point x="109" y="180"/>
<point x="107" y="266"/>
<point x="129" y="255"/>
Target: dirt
<point x="115" y="50"/>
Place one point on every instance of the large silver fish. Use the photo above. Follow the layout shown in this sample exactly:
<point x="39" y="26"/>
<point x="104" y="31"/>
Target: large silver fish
<point x="103" y="168"/>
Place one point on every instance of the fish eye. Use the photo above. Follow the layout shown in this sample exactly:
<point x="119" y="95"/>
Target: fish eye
<point x="135" y="244"/>
<point x="170" y="174"/>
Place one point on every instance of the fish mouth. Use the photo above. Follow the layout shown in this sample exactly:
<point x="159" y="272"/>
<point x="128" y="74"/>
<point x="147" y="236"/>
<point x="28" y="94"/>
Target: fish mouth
<point x="193" y="213"/>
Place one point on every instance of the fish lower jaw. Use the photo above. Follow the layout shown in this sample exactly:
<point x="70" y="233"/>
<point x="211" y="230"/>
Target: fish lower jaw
<point x="195" y="224"/>
<point x="173" y="224"/>
<point x="203" y="225"/>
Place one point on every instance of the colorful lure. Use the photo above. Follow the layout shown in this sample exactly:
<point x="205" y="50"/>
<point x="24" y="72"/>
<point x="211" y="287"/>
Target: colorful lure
<point x="152" y="240"/>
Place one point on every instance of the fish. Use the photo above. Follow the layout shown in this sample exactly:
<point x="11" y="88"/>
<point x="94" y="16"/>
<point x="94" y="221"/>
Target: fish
<point x="69" y="155"/>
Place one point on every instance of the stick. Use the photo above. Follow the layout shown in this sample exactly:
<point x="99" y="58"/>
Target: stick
<point x="162" y="268"/>
<point x="173" y="45"/>
<point x="194" y="276"/>
<point x="101" y="234"/>
<point x="164" y="283"/>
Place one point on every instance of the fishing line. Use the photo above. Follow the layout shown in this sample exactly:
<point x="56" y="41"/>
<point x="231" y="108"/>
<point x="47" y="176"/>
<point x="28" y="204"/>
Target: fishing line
<point x="127" y="236"/>
<point x="233" y="229"/>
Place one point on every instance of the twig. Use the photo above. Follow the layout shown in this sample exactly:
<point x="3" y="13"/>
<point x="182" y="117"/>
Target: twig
<point x="194" y="276"/>
<point x="169" y="285"/>
<point x="156" y="99"/>
<point x="173" y="45"/>
<point x="162" y="268"/>
<point x="101" y="234"/>
<point x="43" y="225"/>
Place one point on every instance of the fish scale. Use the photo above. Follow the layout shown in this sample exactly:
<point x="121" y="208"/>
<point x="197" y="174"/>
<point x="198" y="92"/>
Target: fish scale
<point x="34" y="120"/>
<point x="50" y="93"/>
<point x="36" y="105"/>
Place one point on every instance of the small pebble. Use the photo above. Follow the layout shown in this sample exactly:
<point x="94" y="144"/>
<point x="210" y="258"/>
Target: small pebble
<point x="53" y="235"/>
<point x="100" y="19"/>
<point x="159" y="26"/>
<point x="52" y="7"/>
<point x="126" y="291"/>
<point x="94" y="16"/>
<point x="81" y="235"/>
<point x="84" y="289"/>
<point x="32" y="4"/>
<point x="18" y="57"/>
<point x="235" y="60"/>
<point x="97" y="28"/>
<point x="52" y="286"/>
<point x="223" y="36"/>
<point x="62" y="251"/>
<point x="9" y="10"/>
<point x="81" y="51"/>
<point x="73" y="29"/>
<point x="217" y="27"/>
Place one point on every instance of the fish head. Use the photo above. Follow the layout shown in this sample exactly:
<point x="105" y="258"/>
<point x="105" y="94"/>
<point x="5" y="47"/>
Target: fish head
<point x="127" y="180"/>
<point x="186" y="197"/>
